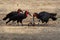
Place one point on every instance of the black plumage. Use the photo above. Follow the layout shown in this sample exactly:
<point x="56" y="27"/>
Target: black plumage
<point x="14" y="16"/>
<point x="45" y="16"/>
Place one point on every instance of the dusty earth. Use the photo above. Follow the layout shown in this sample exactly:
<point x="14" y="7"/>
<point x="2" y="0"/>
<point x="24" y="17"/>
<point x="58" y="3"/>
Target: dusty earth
<point x="50" y="31"/>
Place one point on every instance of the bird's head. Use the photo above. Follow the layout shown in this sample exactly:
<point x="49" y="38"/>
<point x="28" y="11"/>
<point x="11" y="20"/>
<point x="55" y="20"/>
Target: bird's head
<point x="27" y="13"/>
<point x="35" y="14"/>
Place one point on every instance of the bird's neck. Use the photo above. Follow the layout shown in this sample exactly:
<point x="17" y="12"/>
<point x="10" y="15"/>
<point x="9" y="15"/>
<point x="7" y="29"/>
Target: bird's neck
<point x="26" y="14"/>
<point x="37" y="16"/>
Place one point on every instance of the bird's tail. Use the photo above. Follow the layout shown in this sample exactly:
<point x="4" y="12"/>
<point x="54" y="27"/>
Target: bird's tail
<point x="54" y="18"/>
<point x="5" y="18"/>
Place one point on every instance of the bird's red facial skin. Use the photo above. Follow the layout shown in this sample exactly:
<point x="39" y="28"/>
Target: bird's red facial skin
<point x="26" y="13"/>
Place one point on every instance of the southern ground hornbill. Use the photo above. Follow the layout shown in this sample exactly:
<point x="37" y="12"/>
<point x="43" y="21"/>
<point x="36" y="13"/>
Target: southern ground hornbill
<point x="14" y="16"/>
<point x="45" y="16"/>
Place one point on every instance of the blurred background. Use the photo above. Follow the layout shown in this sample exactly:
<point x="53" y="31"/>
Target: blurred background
<point x="30" y="5"/>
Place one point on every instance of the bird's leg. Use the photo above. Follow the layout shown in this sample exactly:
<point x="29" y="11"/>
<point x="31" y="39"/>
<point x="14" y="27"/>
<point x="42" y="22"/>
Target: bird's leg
<point x="42" y="21"/>
<point x="18" y="23"/>
<point x="46" y="22"/>
<point x="38" y="22"/>
<point x="21" y="23"/>
<point x="8" y="21"/>
<point x="33" y="21"/>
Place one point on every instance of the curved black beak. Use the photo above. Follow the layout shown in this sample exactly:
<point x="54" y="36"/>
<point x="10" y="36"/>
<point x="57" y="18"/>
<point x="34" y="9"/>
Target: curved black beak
<point x="30" y="14"/>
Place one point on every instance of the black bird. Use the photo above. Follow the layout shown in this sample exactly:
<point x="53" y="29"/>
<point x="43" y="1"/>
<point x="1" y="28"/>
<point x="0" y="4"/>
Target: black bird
<point x="14" y="16"/>
<point x="9" y="15"/>
<point x="45" y="16"/>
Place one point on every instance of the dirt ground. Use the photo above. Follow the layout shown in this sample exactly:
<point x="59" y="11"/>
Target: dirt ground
<point x="50" y="31"/>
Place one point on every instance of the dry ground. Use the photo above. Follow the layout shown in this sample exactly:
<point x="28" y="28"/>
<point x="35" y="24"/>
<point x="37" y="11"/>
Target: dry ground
<point x="11" y="31"/>
<point x="50" y="31"/>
